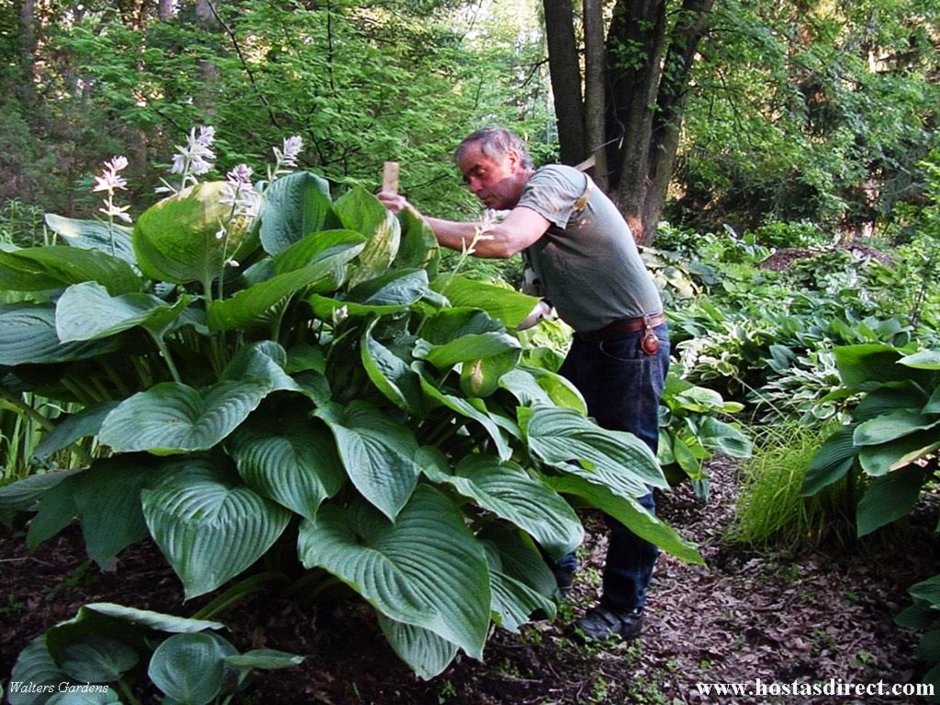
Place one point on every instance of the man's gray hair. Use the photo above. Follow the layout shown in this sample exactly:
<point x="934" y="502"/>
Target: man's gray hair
<point x="496" y="142"/>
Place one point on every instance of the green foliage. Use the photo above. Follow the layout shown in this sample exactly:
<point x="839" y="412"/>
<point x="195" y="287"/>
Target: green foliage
<point x="894" y="433"/>
<point x="892" y="440"/>
<point x="771" y="511"/>
<point x="104" y="653"/>
<point x="817" y="111"/>
<point x="691" y="431"/>
<point x="309" y="378"/>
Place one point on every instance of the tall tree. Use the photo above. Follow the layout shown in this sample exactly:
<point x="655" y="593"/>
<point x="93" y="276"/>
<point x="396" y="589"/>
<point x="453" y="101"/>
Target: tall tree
<point x="649" y="54"/>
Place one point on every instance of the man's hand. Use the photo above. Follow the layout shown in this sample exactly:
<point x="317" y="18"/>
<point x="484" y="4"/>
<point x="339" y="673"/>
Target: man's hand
<point x="541" y="310"/>
<point x="394" y="202"/>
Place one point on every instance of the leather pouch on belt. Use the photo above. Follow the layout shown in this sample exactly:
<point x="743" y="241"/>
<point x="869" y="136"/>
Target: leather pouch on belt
<point x="650" y="343"/>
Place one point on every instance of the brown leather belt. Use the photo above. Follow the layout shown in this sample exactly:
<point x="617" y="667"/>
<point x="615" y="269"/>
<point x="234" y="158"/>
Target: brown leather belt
<point x="622" y="327"/>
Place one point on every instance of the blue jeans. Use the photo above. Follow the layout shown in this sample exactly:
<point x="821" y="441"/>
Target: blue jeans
<point x="622" y="385"/>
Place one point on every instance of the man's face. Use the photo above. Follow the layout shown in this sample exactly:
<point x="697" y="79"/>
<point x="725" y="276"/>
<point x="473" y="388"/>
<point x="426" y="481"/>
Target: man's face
<point x="496" y="181"/>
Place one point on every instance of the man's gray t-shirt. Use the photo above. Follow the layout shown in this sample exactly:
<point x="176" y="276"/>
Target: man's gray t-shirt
<point x="587" y="260"/>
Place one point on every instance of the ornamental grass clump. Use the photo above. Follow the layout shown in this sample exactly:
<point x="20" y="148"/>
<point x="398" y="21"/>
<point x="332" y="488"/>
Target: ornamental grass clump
<point x="261" y="363"/>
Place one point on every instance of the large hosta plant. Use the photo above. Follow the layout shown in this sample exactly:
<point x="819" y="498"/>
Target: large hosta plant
<point x="298" y="373"/>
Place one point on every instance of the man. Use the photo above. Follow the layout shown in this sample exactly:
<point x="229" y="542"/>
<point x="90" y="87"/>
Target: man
<point x="585" y="257"/>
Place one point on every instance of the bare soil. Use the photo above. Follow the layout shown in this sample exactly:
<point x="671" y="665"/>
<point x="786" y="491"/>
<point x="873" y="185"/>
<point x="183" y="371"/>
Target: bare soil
<point x="825" y="616"/>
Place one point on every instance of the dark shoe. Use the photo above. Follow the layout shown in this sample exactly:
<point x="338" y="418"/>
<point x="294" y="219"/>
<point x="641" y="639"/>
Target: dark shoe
<point x="601" y="623"/>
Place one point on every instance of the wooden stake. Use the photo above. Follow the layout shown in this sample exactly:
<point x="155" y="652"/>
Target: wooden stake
<point x="390" y="177"/>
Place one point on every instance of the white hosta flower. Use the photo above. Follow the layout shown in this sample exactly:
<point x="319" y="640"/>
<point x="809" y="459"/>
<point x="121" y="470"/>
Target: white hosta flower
<point x="291" y="150"/>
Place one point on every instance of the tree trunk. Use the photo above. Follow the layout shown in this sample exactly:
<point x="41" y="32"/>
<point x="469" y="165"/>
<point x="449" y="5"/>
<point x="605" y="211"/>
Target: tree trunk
<point x="595" y="90"/>
<point x="643" y="91"/>
<point x="564" y="68"/>
<point x="26" y="90"/>
<point x="166" y="10"/>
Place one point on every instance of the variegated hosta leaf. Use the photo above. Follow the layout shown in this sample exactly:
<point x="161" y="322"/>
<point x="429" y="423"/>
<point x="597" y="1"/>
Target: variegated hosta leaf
<point x="574" y="444"/>
<point x="426" y="569"/>
<point x="209" y="527"/>
<point x="174" y="418"/>
<point x="509" y="492"/>
<point x="359" y="210"/>
<point x="293" y="462"/>
<point x="378" y="453"/>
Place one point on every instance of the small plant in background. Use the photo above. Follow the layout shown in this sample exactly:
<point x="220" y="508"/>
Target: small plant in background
<point x="691" y="432"/>
<point x="107" y="653"/>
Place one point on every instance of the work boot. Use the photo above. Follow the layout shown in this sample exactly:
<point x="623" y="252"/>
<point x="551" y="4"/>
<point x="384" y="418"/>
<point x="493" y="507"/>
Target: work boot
<point x="602" y="623"/>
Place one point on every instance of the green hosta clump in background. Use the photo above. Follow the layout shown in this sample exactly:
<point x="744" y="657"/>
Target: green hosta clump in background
<point x="261" y="364"/>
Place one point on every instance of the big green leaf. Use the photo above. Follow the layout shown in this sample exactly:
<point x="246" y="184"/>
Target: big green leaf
<point x="832" y="461"/>
<point x="359" y="210"/>
<point x="188" y="668"/>
<point x="509" y="492"/>
<point x="110" y="238"/>
<point x="29" y="337"/>
<point x="107" y="497"/>
<point x="424" y="651"/>
<point x="418" y="248"/>
<point x="97" y="659"/>
<point x="170" y="623"/>
<point x="295" y="205"/>
<point x="249" y="305"/>
<point x="22" y="495"/>
<point x="892" y="425"/>
<point x="35" y="666"/>
<point x="572" y="443"/>
<point x="895" y="454"/>
<point x="389" y="293"/>
<point x="924" y="360"/>
<point x="377" y="452"/>
<point x="865" y="367"/>
<point x="722" y="437"/>
<point x="292" y="461"/>
<point x="482" y="377"/>
<point x="511" y="307"/>
<point x="425" y="569"/>
<point x="390" y="374"/>
<point x="631" y="514"/>
<point x="470" y="348"/>
<point x="72" y="427"/>
<point x="56" y="267"/>
<point x="513" y="601"/>
<point x="473" y="409"/>
<point x="531" y="386"/>
<point x="209" y="527"/>
<point x="175" y="418"/>
<point x="86" y="311"/>
<point x="176" y="240"/>
<point x="889" y="498"/>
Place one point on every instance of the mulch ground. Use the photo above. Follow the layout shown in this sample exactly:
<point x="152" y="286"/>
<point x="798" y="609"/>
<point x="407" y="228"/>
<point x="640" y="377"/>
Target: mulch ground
<point x="782" y="620"/>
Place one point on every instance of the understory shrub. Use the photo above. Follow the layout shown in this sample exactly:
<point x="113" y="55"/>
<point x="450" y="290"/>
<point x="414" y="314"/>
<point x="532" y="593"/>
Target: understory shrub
<point x="259" y="365"/>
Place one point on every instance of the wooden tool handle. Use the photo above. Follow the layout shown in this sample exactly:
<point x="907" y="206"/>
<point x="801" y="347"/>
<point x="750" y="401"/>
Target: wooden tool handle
<point x="390" y="177"/>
